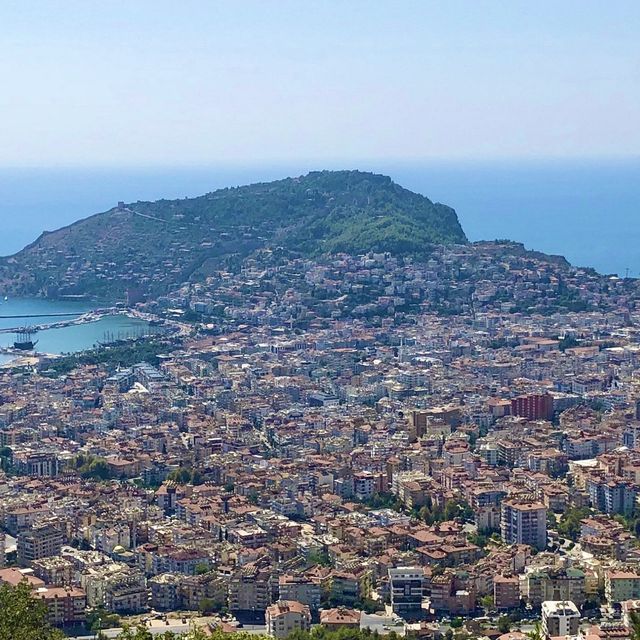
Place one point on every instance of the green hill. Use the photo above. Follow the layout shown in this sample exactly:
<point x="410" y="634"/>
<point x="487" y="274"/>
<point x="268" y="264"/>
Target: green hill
<point x="154" y="245"/>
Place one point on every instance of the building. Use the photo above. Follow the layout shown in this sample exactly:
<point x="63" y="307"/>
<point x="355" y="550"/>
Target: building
<point x="209" y="588"/>
<point x="250" y="590"/>
<point x="506" y="592"/>
<point x="621" y="585"/>
<point x="286" y="616"/>
<point x="128" y="596"/>
<point x="36" y="464"/>
<point x="364" y="485"/>
<point x="524" y="521"/>
<point x="537" y="406"/>
<point x="54" y="571"/>
<point x="406" y="585"/>
<point x="340" y="618"/>
<point x="300" y="589"/>
<point x="612" y="495"/>
<point x="344" y="588"/>
<point x="116" y="587"/>
<point x="41" y="542"/>
<point x="560" y="618"/>
<point x="554" y="583"/>
<point x="65" y="606"/>
<point x="165" y="591"/>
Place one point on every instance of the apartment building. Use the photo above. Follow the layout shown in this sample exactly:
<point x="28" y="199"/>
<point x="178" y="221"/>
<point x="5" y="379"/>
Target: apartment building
<point x="621" y="585"/>
<point x="406" y="585"/>
<point x="560" y="618"/>
<point x="287" y="616"/>
<point x="524" y="522"/>
<point x="37" y="543"/>
<point x="300" y="589"/>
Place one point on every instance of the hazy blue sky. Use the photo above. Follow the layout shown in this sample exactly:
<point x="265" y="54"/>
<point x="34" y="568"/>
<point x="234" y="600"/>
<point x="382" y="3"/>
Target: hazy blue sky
<point x="126" y="82"/>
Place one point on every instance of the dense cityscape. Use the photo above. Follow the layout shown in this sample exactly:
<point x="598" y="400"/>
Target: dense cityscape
<point x="439" y="448"/>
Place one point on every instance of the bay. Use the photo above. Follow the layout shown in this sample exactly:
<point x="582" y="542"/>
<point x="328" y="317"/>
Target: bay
<point x="70" y="339"/>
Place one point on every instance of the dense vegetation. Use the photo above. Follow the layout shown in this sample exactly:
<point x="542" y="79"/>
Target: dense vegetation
<point x="324" y="211"/>
<point x="22" y="617"/>
<point x="90" y="466"/>
<point x="122" y="355"/>
<point x="169" y="241"/>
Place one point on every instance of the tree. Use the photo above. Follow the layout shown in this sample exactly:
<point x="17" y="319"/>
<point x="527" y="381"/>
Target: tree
<point x="185" y="475"/>
<point x="99" y="619"/>
<point x="207" y="606"/>
<point x="89" y="466"/>
<point x="536" y="633"/>
<point x="504" y="624"/>
<point x="6" y="458"/>
<point x="142" y="633"/>
<point x="479" y="539"/>
<point x="202" y="568"/>
<point x="22" y="617"/>
<point x="319" y="557"/>
<point x="137" y="633"/>
<point x="634" y="619"/>
<point x="569" y="526"/>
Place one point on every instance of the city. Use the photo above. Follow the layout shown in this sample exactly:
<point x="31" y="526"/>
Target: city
<point x="370" y="442"/>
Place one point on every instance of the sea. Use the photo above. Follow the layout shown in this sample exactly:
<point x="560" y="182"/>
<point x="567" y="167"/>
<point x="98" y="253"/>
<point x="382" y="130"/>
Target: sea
<point x="585" y="210"/>
<point x="62" y="340"/>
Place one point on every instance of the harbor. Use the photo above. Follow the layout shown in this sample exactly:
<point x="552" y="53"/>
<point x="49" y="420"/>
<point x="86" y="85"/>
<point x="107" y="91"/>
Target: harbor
<point x="71" y="319"/>
<point x="63" y="328"/>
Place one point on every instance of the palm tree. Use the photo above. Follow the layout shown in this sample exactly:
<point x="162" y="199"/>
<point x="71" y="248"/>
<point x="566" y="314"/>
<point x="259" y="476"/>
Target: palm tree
<point x="536" y="633"/>
<point x="634" y="620"/>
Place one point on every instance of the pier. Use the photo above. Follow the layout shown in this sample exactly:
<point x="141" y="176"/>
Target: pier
<point x="42" y="315"/>
<point x="73" y="318"/>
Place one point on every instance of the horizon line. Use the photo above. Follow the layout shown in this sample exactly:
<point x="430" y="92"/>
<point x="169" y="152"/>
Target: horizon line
<point x="320" y="163"/>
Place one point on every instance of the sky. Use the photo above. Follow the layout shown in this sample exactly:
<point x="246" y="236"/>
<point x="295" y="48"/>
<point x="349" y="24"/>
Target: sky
<point x="167" y="83"/>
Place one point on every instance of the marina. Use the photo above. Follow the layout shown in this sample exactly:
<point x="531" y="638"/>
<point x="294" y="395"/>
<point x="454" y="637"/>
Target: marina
<point x="63" y="327"/>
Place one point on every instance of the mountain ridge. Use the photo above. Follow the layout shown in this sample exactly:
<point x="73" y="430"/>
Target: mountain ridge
<point x="154" y="245"/>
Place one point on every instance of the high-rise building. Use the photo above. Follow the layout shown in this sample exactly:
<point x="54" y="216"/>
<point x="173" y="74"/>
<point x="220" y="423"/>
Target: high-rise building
<point x="37" y="543"/>
<point x="536" y="406"/>
<point x="612" y="495"/>
<point x="250" y="589"/>
<point x="523" y="521"/>
<point x="407" y="589"/>
<point x="560" y="618"/>
<point x="620" y="586"/>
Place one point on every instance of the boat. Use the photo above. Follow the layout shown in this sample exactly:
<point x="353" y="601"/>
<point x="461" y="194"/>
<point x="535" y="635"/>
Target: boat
<point x="26" y="345"/>
<point x="24" y="339"/>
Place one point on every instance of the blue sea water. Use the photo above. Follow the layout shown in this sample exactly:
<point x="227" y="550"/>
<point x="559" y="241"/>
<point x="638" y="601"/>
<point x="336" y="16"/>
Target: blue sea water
<point x="585" y="210"/>
<point x="68" y="339"/>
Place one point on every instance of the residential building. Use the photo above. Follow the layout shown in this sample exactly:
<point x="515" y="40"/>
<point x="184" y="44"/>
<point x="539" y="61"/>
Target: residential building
<point x="560" y="618"/>
<point x="524" y="521"/>
<point x="40" y="542"/>
<point x="286" y="616"/>
<point x="406" y="585"/>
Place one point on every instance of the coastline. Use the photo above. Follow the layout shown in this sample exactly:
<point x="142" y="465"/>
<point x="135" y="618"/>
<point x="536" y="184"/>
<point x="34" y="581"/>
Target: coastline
<point x="19" y="358"/>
